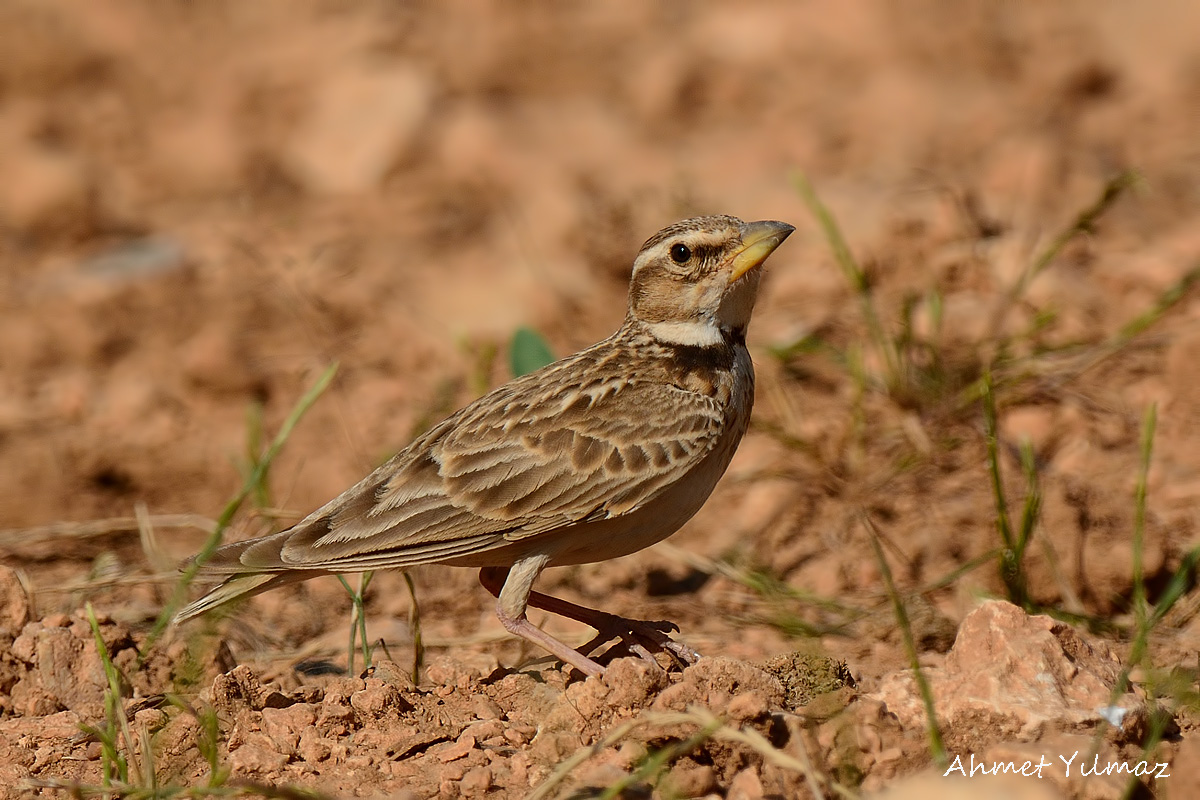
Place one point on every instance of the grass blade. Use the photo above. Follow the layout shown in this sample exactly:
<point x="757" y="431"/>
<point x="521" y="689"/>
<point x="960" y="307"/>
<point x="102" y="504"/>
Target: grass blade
<point x="936" y="746"/>
<point x="414" y="625"/>
<point x="856" y="277"/>
<point x="253" y="480"/>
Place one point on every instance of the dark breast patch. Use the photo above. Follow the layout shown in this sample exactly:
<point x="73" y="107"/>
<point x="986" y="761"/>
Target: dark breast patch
<point x="697" y="368"/>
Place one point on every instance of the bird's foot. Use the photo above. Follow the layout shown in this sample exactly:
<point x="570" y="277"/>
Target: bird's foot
<point x="641" y="637"/>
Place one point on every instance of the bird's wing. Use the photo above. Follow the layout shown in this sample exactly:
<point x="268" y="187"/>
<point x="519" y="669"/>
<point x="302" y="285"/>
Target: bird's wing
<point x="532" y="456"/>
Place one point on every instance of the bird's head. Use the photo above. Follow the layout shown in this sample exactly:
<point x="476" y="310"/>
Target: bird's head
<point x="694" y="283"/>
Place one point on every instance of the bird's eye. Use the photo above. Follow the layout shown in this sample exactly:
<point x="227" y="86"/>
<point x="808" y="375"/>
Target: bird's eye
<point x="680" y="253"/>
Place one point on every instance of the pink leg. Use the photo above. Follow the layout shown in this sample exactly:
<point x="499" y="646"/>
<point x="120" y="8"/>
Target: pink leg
<point x="511" y="586"/>
<point x="520" y="626"/>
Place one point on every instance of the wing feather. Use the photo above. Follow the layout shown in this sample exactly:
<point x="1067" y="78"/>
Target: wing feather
<point x="520" y="461"/>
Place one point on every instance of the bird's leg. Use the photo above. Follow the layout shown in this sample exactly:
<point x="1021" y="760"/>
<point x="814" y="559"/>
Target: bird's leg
<point x="638" y="635"/>
<point x="512" y="590"/>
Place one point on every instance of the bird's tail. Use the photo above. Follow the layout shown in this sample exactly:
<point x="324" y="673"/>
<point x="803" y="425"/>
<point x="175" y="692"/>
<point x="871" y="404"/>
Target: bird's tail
<point x="237" y="587"/>
<point x="244" y="577"/>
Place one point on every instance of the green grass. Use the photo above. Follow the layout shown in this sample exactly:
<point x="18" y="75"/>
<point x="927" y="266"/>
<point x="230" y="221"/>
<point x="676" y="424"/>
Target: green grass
<point x="1013" y="542"/>
<point x="933" y="730"/>
<point x="127" y="763"/>
<point x="414" y="625"/>
<point x="254" y="484"/>
<point x="358" y="620"/>
<point x="1166" y="691"/>
<point x="962" y="391"/>
<point x="128" y="768"/>
<point x="949" y="387"/>
<point x="118" y="751"/>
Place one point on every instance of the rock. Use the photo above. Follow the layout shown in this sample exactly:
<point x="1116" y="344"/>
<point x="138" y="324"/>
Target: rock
<point x="746" y="785"/>
<point x="378" y="698"/>
<point x="460" y="672"/>
<point x="485" y="730"/>
<point x="339" y="690"/>
<point x="1185" y="769"/>
<point x="476" y="782"/>
<point x="1076" y="768"/>
<point x="43" y="187"/>
<point x="284" y="726"/>
<point x="256" y="759"/>
<point x="312" y="748"/>
<point x="392" y="674"/>
<point x="729" y="676"/>
<point x="364" y="117"/>
<point x="1017" y="671"/>
<point x="597" y="776"/>
<point x="27" y="744"/>
<point x="747" y="707"/>
<point x="689" y="779"/>
<point x="151" y="719"/>
<point x="460" y="749"/>
<point x="237" y="688"/>
<point x="586" y="699"/>
<point x="486" y="708"/>
<point x="15" y="605"/>
<point x="633" y="682"/>
<point x="679" y="696"/>
<point x="64" y="673"/>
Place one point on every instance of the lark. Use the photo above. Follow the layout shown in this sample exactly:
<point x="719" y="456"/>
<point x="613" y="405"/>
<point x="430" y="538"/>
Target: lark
<point x="595" y="456"/>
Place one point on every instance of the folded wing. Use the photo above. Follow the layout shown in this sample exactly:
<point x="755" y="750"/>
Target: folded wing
<point x="521" y="461"/>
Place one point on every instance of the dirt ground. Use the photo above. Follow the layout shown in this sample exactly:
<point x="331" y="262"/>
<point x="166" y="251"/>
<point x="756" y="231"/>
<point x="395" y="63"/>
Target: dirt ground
<point x="205" y="205"/>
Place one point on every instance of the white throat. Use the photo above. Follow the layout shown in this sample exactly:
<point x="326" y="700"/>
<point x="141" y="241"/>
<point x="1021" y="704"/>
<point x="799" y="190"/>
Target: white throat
<point x="694" y="334"/>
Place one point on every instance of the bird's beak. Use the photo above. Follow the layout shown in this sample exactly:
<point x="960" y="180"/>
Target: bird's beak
<point x="759" y="240"/>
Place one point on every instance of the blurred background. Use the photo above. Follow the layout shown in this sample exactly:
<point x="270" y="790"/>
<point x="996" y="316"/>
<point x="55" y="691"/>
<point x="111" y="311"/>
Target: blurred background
<point x="203" y="205"/>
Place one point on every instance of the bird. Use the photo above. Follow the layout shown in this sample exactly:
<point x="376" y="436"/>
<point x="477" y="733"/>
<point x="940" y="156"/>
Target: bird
<point x="593" y="457"/>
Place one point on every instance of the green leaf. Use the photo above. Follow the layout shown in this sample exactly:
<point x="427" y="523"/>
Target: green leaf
<point x="528" y="352"/>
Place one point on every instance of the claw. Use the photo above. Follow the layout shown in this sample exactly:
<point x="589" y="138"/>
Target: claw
<point x="639" y="637"/>
<point x="642" y="653"/>
<point x="682" y="652"/>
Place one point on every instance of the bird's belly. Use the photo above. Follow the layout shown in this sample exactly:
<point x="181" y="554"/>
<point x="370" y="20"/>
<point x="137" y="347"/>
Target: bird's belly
<point x="667" y="513"/>
<point x="604" y="539"/>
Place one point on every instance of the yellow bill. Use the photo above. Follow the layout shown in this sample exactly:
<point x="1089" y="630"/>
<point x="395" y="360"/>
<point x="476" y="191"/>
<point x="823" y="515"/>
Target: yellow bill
<point x="759" y="240"/>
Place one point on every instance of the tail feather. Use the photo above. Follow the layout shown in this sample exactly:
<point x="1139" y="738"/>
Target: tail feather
<point x="240" y="579"/>
<point x="249" y="555"/>
<point x="236" y="588"/>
